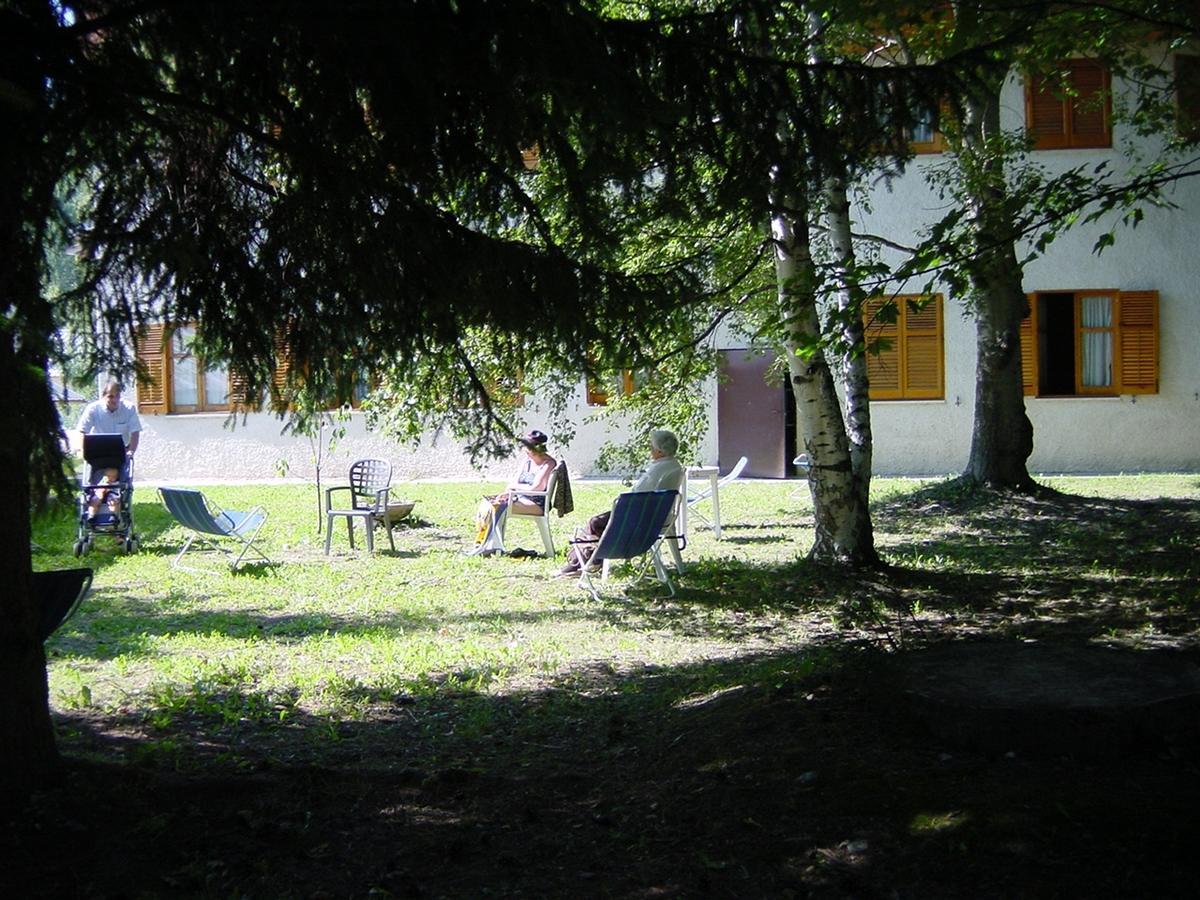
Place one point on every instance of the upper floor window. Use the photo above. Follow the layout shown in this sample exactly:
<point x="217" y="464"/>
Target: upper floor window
<point x="1074" y="111"/>
<point x="904" y="347"/>
<point x="923" y="135"/>
<point x="1090" y="343"/>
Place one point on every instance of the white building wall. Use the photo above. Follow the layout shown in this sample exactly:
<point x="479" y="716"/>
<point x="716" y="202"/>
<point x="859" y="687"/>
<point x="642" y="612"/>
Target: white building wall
<point x="1158" y="432"/>
<point x="203" y="447"/>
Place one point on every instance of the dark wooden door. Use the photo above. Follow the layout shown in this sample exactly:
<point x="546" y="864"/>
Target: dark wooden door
<point x="752" y="416"/>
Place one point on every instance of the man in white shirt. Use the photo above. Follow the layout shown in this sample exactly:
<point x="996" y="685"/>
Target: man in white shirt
<point x="109" y="415"/>
<point x="663" y="474"/>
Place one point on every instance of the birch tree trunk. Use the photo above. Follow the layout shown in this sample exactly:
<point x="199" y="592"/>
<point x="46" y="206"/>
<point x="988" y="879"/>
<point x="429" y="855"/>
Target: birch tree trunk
<point x="1002" y="435"/>
<point x="842" y="531"/>
<point x="853" y="364"/>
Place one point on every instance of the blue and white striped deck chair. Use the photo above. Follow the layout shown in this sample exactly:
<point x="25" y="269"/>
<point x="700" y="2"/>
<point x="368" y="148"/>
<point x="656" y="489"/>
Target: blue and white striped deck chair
<point x="635" y="530"/>
<point x="192" y="510"/>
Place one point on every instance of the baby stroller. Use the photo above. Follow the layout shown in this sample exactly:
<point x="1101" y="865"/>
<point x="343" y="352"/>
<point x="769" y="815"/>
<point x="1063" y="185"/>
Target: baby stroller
<point x="114" y="516"/>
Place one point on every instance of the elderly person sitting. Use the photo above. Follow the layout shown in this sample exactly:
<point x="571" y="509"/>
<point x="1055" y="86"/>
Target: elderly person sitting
<point x="663" y="474"/>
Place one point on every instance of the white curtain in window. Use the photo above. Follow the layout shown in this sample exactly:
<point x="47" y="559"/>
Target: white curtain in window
<point x="216" y="386"/>
<point x="1097" y="362"/>
<point x="184" y="371"/>
<point x="923" y="127"/>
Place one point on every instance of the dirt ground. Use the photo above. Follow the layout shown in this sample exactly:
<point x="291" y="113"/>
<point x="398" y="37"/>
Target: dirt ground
<point x="806" y="787"/>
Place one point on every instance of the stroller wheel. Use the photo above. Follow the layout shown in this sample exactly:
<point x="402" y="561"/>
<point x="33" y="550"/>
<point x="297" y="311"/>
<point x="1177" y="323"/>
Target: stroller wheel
<point x="130" y="544"/>
<point x="78" y="548"/>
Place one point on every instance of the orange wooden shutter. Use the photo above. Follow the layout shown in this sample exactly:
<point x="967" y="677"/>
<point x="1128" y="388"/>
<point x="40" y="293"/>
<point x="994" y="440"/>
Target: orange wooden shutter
<point x="883" y="352"/>
<point x="281" y="374"/>
<point x="152" y="369"/>
<point x="1089" y="126"/>
<point x="1187" y="94"/>
<point x="240" y="397"/>
<point x="922" y="348"/>
<point x="1029" y="349"/>
<point x="1045" y="114"/>
<point x="1137" y="342"/>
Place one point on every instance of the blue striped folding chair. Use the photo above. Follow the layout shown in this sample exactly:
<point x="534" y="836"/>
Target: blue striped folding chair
<point x="635" y="531"/>
<point x="193" y="511"/>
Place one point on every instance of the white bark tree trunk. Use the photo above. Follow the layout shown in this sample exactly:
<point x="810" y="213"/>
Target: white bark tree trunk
<point x="853" y="364"/>
<point x="843" y="534"/>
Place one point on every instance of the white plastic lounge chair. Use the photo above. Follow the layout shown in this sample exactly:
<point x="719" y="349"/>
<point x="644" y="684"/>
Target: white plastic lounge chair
<point x="542" y="521"/>
<point x="699" y="497"/>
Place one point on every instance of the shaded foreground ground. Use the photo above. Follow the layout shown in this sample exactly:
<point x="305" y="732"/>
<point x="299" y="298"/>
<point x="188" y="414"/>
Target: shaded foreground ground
<point x="788" y="775"/>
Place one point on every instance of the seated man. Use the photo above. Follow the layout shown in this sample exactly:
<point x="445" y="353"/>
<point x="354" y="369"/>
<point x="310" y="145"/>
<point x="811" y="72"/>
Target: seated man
<point x="663" y="474"/>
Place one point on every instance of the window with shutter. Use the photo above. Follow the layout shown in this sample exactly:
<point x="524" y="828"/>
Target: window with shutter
<point x="925" y="135"/>
<point x="598" y="391"/>
<point x="1090" y="343"/>
<point x="1072" y="112"/>
<point x="904" y="347"/>
<point x="172" y="378"/>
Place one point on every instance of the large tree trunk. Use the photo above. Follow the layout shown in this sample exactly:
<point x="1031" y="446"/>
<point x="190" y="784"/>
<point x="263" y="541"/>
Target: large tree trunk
<point x="27" y="749"/>
<point x="1002" y="438"/>
<point x="842" y="531"/>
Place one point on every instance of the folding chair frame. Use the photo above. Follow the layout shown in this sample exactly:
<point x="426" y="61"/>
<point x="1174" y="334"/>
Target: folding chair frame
<point x="247" y="545"/>
<point x="242" y="527"/>
<point x="650" y="558"/>
<point x="642" y="567"/>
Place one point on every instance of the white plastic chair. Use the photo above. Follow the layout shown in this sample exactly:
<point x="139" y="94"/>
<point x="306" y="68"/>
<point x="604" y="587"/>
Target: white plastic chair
<point x="369" y="487"/>
<point x="542" y="521"/>
<point x="694" y="499"/>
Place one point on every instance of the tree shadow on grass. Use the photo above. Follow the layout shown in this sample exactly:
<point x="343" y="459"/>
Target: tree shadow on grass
<point x="786" y="771"/>
<point x="785" y="774"/>
<point x="1028" y="565"/>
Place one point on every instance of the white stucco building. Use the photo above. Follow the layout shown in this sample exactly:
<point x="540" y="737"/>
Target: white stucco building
<point x="1113" y="374"/>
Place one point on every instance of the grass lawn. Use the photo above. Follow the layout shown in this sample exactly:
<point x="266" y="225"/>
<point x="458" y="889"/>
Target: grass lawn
<point x="723" y="742"/>
<point x="329" y="636"/>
